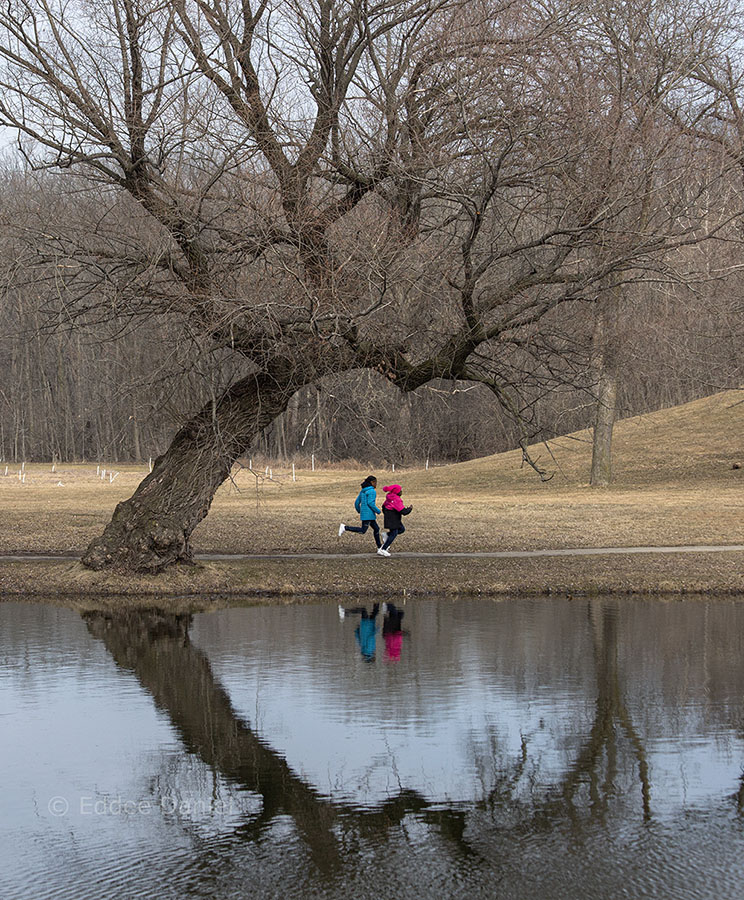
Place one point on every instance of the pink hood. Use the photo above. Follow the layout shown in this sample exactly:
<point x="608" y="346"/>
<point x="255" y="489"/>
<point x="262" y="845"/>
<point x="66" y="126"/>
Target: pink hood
<point x="393" y="501"/>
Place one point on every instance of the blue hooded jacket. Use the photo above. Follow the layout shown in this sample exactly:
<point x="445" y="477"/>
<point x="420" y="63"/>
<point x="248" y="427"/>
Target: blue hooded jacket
<point x="365" y="503"/>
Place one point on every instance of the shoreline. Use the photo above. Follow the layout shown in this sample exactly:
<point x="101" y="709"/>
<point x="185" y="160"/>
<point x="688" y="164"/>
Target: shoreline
<point x="309" y="579"/>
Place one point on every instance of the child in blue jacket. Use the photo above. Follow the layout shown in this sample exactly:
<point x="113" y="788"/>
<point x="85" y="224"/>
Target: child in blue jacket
<point x="368" y="511"/>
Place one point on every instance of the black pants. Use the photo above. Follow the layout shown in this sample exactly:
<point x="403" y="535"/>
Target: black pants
<point x="362" y="611"/>
<point x="367" y="523"/>
<point x="393" y="619"/>
<point x="392" y="535"/>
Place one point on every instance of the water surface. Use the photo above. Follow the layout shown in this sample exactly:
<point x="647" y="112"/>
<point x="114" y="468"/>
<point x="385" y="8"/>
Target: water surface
<point x="519" y="748"/>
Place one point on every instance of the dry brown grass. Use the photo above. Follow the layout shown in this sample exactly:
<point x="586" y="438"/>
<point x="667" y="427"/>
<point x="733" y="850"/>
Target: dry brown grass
<point x="675" y="484"/>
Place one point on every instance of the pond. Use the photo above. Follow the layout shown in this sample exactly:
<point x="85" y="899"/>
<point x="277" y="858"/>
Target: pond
<point x="520" y="748"/>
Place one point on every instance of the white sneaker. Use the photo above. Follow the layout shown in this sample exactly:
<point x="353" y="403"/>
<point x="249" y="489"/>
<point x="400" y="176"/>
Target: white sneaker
<point x="382" y="552"/>
<point x="341" y="612"/>
<point x="383" y="608"/>
<point x="341" y="529"/>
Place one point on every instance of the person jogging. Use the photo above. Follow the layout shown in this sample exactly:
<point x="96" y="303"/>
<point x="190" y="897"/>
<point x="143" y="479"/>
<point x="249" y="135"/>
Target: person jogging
<point x="393" y="509"/>
<point x="368" y="511"/>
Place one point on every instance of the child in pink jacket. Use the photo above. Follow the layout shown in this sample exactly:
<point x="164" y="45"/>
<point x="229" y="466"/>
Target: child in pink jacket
<point x="393" y="509"/>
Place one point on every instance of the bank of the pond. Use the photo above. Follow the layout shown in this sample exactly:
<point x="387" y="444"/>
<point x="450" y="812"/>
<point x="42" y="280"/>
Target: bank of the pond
<point x="300" y="579"/>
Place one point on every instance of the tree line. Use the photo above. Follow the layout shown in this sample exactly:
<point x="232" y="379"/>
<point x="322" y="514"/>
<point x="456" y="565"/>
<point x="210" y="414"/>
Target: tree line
<point x="107" y="391"/>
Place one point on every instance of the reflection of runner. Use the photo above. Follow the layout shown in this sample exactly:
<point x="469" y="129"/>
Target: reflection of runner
<point x="392" y="632"/>
<point x="366" y="630"/>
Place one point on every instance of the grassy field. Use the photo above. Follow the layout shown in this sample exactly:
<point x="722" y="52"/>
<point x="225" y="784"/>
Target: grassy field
<point x="677" y="482"/>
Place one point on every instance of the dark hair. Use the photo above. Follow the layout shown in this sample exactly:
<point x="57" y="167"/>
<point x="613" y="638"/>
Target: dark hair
<point x="368" y="481"/>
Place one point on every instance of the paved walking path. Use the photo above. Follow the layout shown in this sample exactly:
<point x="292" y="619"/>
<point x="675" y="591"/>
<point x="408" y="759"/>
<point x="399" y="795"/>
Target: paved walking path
<point x="496" y="554"/>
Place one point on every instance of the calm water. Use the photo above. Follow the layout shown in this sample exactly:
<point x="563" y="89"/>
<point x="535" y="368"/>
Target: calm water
<point x="513" y="749"/>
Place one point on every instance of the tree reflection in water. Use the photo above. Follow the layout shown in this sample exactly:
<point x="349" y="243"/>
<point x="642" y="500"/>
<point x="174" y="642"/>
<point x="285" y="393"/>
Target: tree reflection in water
<point x="596" y="765"/>
<point x="156" y="647"/>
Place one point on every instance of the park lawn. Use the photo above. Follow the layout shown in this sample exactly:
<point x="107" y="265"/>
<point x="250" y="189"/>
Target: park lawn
<point x="677" y="482"/>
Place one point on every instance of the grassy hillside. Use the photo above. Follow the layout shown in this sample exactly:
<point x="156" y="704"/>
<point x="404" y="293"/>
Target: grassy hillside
<point x="686" y="445"/>
<point x="675" y="484"/>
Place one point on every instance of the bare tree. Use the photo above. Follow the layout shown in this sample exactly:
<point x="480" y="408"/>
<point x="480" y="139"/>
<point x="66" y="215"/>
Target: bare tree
<point x="316" y="188"/>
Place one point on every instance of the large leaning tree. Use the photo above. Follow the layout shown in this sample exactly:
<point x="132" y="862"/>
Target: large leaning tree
<point x="319" y="186"/>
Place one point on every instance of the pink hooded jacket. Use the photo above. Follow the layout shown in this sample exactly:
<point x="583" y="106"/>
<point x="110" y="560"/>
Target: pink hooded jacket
<point x="393" y="499"/>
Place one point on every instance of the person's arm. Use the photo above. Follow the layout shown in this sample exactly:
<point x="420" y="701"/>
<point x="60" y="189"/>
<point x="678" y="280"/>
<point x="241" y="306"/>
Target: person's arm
<point x="358" y="502"/>
<point x="404" y="512"/>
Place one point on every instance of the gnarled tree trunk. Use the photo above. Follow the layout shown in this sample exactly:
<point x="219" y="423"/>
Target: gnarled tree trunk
<point x="152" y="529"/>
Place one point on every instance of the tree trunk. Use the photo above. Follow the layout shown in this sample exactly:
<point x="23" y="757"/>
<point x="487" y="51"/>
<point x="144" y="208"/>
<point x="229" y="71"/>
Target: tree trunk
<point x="152" y="529"/>
<point x="603" y="425"/>
<point x="605" y="364"/>
<point x="136" y="449"/>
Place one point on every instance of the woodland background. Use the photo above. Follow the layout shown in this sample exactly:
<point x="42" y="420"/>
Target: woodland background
<point x="117" y="388"/>
<point x="521" y="114"/>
